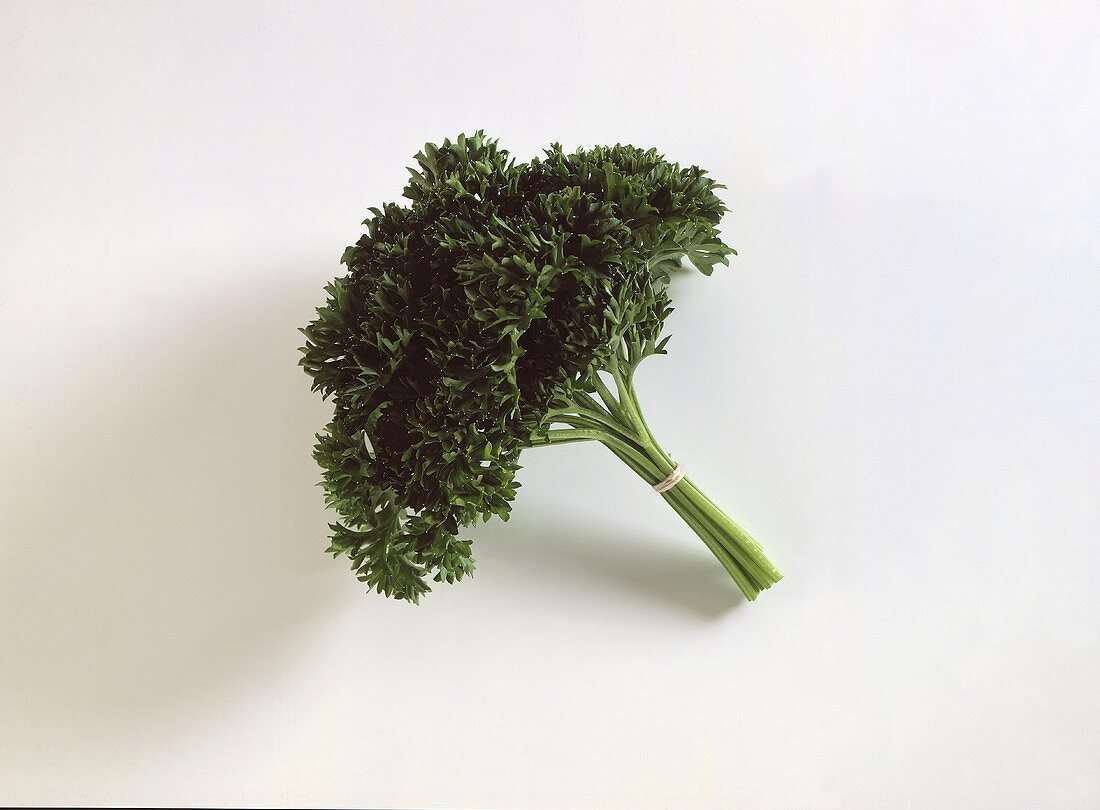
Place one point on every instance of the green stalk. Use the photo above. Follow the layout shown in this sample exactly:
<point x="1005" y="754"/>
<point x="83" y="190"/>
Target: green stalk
<point x="619" y="425"/>
<point x="765" y="573"/>
<point x="704" y="531"/>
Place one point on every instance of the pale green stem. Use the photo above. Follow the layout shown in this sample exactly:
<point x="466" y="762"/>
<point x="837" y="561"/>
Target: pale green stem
<point x="621" y="427"/>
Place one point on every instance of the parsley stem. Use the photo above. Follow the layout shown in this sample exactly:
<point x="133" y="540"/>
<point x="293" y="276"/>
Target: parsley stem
<point x="619" y="425"/>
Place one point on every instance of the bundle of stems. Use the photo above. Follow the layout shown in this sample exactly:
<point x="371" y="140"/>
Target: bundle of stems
<point x="615" y="420"/>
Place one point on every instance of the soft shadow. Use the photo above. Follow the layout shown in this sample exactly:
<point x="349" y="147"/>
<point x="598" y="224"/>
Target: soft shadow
<point x="649" y="567"/>
<point x="163" y="538"/>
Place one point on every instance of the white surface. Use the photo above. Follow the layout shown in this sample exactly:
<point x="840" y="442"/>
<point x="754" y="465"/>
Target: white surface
<point x="895" y="387"/>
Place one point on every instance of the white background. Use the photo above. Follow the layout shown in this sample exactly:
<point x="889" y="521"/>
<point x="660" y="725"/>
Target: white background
<point x="895" y="386"/>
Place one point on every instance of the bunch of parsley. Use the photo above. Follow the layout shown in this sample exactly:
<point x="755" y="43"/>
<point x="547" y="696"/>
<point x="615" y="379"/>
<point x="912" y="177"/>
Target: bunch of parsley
<point x="476" y="321"/>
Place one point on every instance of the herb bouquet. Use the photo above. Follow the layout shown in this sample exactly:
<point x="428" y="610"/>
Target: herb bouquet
<point x="505" y="306"/>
